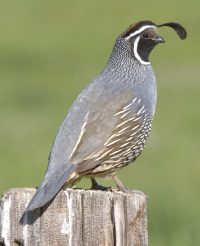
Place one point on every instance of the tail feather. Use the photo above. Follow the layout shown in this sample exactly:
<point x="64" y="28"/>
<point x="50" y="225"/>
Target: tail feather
<point x="50" y="187"/>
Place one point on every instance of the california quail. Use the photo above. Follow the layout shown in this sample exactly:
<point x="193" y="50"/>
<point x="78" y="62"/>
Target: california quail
<point x="109" y="123"/>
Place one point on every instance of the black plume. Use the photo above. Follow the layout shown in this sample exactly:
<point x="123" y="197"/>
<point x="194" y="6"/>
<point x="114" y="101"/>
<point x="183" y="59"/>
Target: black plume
<point x="180" y="30"/>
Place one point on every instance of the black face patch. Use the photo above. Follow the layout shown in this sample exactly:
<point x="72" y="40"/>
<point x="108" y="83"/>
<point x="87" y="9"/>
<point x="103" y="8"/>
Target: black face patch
<point x="145" y="46"/>
<point x="143" y="43"/>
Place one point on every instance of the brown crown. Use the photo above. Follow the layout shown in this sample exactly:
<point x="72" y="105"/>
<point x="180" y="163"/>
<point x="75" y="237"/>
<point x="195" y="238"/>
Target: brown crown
<point x="134" y="27"/>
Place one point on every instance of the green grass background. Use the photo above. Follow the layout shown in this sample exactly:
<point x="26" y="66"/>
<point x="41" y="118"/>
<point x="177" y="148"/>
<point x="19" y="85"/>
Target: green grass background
<point x="50" y="50"/>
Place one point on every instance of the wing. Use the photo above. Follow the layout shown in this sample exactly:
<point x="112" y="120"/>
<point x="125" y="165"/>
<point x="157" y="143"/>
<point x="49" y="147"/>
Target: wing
<point x="108" y="124"/>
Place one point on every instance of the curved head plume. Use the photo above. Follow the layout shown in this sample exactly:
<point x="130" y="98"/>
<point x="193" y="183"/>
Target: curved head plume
<point x="180" y="30"/>
<point x="143" y="36"/>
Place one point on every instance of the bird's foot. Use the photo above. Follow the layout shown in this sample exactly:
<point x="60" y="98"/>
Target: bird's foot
<point x="120" y="185"/>
<point x="96" y="186"/>
<point x="124" y="189"/>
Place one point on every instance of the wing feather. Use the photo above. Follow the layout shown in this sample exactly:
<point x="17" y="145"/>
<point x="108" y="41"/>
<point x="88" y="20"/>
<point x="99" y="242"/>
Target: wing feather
<point x="106" y="130"/>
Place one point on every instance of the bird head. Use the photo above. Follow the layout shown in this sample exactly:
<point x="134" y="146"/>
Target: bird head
<point x="143" y="36"/>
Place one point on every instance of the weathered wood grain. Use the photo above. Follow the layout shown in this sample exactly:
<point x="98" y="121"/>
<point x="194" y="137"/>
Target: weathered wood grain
<point x="75" y="217"/>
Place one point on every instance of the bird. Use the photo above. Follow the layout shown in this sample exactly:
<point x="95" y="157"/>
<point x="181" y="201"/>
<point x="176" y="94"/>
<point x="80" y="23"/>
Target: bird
<point x="109" y="123"/>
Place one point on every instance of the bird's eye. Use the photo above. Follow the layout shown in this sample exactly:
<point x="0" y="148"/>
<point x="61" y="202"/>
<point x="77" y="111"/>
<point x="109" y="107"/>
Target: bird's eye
<point x="145" y="35"/>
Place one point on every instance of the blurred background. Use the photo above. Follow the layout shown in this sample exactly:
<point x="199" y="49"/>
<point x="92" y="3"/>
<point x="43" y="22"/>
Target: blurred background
<point x="50" y="50"/>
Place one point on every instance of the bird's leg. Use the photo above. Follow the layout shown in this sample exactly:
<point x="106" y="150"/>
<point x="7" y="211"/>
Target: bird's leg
<point x="96" y="186"/>
<point x="122" y="188"/>
<point x="119" y="184"/>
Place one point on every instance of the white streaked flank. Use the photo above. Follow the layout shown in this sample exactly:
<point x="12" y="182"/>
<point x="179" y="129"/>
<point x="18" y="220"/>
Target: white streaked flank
<point x="125" y="144"/>
<point x="143" y="111"/>
<point x="130" y="104"/>
<point x="111" y="143"/>
<point x="140" y="110"/>
<point x="124" y="115"/>
<point x="134" y="133"/>
<point x="120" y="112"/>
<point x="104" y="154"/>
<point x="125" y="109"/>
<point x="80" y="136"/>
<point x="135" y="127"/>
<point x="138" y="118"/>
<point x="92" y="155"/>
<point x="124" y="122"/>
<point x="110" y="138"/>
<point x="129" y="139"/>
<point x="115" y="152"/>
<point x="122" y="130"/>
<point x="111" y="161"/>
<point x="127" y="152"/>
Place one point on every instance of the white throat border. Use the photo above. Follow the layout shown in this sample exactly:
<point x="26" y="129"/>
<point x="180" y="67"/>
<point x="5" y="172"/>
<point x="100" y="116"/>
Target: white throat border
<point x="135" y="47"/>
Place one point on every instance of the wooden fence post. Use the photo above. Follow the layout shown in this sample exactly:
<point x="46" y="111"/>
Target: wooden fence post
<point x="75" y="217"/>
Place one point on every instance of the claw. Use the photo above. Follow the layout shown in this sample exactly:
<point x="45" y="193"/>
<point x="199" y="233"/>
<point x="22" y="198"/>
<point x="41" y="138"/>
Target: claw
<point x="96" y="186"/>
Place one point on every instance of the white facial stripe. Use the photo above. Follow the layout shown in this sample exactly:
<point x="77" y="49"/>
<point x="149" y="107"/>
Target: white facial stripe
<point x="140" y="30"/>
<point x="136" y="52"/>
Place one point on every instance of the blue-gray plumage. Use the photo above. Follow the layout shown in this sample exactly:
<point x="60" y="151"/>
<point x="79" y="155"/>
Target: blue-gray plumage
<point x="108" y="124"/>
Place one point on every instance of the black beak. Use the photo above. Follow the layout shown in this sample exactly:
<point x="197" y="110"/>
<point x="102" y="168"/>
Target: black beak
<point x="158" y="39"/>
